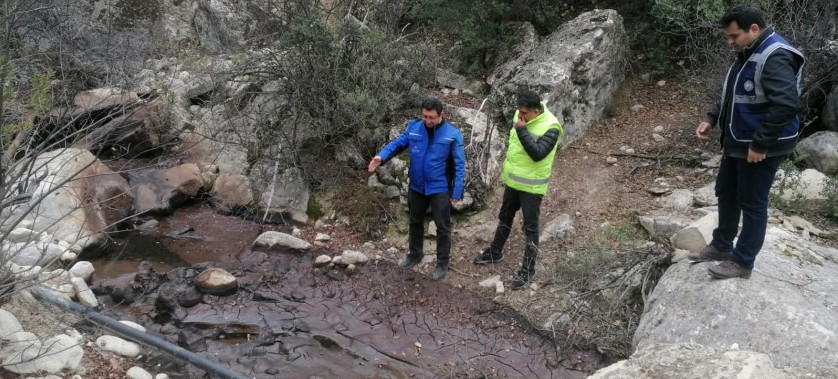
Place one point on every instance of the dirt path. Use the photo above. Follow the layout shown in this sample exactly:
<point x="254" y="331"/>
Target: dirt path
<point x="594" y="193"/>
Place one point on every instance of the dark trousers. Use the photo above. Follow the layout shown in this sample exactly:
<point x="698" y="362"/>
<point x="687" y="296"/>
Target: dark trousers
<point x="440" y="203"/>
<point x="530" y="206"/>
<point x="742" y="189"/>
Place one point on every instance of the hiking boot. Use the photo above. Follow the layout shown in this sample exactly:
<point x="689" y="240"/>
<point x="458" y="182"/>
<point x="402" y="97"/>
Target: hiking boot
<point x="488" y="256"/>
<point x="409" y="261"/>
<point x="729" y="269"/>
<point x="519" y="282"/>
<point x="439" y="272"/>
<point x="707" y="254"/>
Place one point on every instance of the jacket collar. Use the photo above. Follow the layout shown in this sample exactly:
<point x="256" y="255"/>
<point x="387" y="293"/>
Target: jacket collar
<point x="748" y="51"/>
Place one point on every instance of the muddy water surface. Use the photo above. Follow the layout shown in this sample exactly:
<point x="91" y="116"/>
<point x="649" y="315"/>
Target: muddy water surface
<point x="291" y="320"/>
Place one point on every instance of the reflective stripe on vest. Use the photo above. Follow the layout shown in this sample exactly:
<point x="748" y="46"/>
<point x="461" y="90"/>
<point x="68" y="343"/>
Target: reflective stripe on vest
<point x="749" y="106"/>
<point x="532" y="182"/>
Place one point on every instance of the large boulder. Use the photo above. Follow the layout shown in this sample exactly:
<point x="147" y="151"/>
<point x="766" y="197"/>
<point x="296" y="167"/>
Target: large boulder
<point x="231" y="193"/>
<point x="829" y="118"/>
<point x="111" y="122"/>
<point x="69" y="197"/>
<point x="160" y="191"/>
<point x="227" y="134"/>
<point x="786" y="310"/>
<point x="806" y="185"/>
<point x="26" y="354"/>
<point x="577" y="70"/>
<point x="820" y="150"/>
<point x="689" y="361"/>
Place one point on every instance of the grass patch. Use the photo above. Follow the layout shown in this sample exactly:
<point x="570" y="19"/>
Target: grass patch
<point x="603" y="249"/>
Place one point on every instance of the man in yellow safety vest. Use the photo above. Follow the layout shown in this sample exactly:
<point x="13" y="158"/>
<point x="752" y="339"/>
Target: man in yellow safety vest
<point x="526" y="172"/>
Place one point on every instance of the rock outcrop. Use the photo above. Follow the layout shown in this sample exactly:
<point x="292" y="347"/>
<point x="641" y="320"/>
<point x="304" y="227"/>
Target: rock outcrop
<point x="577" y="70"/>
<point x="71" y="199"/>
<point x="779" y="323"/>
<point x="820" y="150"/>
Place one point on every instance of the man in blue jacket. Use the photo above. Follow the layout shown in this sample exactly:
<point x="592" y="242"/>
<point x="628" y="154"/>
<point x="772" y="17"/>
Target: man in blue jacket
<point x="437" y="176"/>
<point x="758" y="114"/>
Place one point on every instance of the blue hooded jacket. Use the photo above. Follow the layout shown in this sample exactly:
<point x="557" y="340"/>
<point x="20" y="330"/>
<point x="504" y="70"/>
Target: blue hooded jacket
<point x="430" y="160"/>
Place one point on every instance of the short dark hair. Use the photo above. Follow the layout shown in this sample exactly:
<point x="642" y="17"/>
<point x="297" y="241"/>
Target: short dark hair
<point x="530" y="100"/>
<point x="745" y="15"/>
<point x="432" y="103"/>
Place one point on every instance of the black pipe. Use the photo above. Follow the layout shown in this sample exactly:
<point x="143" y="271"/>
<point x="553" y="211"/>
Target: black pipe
<point x="212" y="368"/>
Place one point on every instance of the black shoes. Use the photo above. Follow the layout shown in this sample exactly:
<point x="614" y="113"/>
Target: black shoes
<point x="488" y="256"/>
<point x="409" y="261"/>
<point x="440" y="272"/>
<point x="520" y="281"/>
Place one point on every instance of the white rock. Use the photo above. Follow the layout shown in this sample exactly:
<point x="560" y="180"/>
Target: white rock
<point x="133" y="325"/>
<point x="24" y="272"/>
<point x="138" y="373"/>
<point x="636" y="107"/>
<point x="84" y="294"/>
<point x="610" y="160"/>
<point x="118" y="346"/>
<point x="657" y="137"/>
<point x="353" y="257"/>
<point x="809" y="187"/>
<point x="68" y="256"/>
<point x="274" y="240"/>
<point x="706" y="196"/>
<point x="661" y="83"/>
<point x="22" y="235"/>
<point x="692" y="361"/>
<point x="658" y="129"/>
<point x="557" y="229"/>
<point x="336" y="261"/>
<point x="83" y="270"/>
<point x="490" y="282"/>
<point x="8" y="324"/>
<point x="499" y="287"/>
<point x="679" y="199"/>
<point x="26" y="354"/>
<point x="322" y="237"/>
<point x="679" y="255"/>
<point x="74" y="334"/>
<point x="296" y="232"/>
<point x="31" y="254"/>
<point x="322" y="260"/>
<point x="629" y="151"/>
<point x="663" y="225"/>
<point x="161" y="376"/>
<point x="696" y="236"/>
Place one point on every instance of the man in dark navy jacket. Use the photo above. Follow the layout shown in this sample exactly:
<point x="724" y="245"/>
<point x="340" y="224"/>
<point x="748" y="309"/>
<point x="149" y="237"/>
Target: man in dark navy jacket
<point x="758" y="114"/>
<point x="435" y="148"/>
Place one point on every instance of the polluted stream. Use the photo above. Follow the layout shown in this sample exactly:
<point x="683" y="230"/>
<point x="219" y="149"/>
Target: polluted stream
<point x="290" y="319"/>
